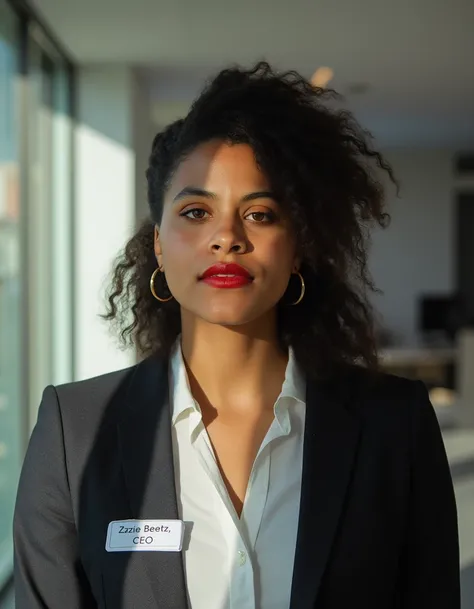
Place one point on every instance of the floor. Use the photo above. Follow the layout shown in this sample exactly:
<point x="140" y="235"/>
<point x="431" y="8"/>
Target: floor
<point x="460" y="449"/>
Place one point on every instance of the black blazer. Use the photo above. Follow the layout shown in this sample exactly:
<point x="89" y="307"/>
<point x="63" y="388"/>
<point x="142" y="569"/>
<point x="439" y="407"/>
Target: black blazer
<point x="377" y="524"/>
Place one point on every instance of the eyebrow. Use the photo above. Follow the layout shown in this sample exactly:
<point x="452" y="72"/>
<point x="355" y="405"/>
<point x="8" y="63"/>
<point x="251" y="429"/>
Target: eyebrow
<point x="192" y="191"/>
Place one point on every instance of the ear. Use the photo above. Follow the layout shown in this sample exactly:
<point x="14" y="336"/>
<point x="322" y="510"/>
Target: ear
<point x="297" y="264"/>
<point x="157" y="244"/>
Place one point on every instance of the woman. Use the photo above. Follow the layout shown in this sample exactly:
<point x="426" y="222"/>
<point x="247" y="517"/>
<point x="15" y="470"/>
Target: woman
<point x="255" y="458"/>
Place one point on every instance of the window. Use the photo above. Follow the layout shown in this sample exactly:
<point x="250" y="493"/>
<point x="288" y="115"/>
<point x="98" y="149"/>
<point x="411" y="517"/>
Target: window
<point x="10" y="285"/>
<point x="35" y="240"/>
<point x="49" y="219"/>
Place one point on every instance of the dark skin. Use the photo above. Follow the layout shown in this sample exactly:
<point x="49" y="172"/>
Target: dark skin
<point x="219" y="208"/>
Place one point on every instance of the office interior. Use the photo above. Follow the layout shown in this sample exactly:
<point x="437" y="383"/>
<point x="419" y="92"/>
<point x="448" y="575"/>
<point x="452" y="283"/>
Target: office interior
<point x="85" y="86"/>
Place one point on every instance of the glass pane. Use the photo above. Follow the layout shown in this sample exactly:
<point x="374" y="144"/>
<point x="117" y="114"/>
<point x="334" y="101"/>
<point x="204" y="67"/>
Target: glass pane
<point x="10" y="287"/>
<point x="62" y="228"/>
<point x="39" y="222"/>
<point x="49" y="223"/>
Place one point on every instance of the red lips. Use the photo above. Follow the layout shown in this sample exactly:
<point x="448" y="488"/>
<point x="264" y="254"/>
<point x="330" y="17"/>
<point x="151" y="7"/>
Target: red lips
<point x="227" y="276"/>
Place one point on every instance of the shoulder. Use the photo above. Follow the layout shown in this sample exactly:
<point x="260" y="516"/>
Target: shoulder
<point x="377" y="384"/>
<point x="97" y="390"/>
<point x="384" y="399"/>
<point x="103" y="400"/>
<point x="84" y="410"/>
<point x="82" y="405"/>
<point x="394" y="414"/>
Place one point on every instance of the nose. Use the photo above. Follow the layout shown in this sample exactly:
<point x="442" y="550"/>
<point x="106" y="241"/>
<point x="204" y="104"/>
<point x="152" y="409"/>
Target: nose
<point x="229" y="238"/>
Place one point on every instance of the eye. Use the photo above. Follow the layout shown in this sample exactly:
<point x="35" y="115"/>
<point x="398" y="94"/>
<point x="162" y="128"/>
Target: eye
<point x="194" y="214"/>
<point x="261" y="217"/>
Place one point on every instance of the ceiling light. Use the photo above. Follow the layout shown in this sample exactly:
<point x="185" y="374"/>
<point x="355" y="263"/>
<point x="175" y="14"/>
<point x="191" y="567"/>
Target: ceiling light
<point x="322" y="76"/>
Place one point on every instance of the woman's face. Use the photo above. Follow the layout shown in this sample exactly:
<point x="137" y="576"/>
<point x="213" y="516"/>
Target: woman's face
<point x="219" y="210"/>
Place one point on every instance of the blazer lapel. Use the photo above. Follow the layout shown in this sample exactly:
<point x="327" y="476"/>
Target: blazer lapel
<point x="330" y="445"/>
<point x="147" y="459"/>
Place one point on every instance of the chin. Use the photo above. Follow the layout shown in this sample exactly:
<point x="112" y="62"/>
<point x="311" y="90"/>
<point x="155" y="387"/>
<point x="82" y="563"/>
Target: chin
<point x="227" y="319"/>
<point x="229" y="314"/>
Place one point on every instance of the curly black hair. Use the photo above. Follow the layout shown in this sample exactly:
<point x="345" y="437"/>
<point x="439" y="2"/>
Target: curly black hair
<point x="323" y="168"/>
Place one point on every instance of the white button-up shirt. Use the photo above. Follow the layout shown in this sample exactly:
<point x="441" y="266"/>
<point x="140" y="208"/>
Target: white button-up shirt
<point x="232" y="562"/>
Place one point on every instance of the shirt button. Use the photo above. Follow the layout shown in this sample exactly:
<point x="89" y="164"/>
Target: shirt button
<point x="242" y="558"/>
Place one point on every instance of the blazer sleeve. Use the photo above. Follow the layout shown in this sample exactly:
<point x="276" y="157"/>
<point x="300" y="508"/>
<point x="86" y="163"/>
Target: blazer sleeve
<point x="48" y="572"/>
<point x="430" y="564"/>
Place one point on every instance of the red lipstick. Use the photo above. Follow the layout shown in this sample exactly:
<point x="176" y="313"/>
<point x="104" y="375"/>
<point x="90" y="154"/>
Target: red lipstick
<point x="227" y="276"/>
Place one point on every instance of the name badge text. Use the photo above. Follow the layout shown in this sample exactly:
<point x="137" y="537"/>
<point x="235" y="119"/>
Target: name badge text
<point x="145" y="536"/>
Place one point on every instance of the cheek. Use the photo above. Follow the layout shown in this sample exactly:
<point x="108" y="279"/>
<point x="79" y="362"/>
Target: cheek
<point x="178" y="246"/>
<point x="278" y="254"/>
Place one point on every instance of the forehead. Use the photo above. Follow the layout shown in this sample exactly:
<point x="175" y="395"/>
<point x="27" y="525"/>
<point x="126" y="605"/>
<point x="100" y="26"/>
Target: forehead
<point x="217" y="165"/>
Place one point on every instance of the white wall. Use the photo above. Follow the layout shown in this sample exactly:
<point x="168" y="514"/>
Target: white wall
<point x="416" y="254"/>
<point x="105" y="204"/>
<point x="144" y="132"/>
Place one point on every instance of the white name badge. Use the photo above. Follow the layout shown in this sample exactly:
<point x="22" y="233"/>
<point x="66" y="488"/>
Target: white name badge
<point x="145" y="536"/>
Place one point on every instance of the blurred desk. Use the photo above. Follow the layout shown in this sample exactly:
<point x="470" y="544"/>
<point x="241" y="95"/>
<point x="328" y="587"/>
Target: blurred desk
<point x="418" y="356"/>
<point x="431" y="364"/>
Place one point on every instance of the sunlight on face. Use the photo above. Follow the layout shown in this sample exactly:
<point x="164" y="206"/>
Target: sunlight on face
<point x="219" y="209"/>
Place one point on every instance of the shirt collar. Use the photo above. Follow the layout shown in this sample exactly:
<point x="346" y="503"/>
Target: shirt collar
<point x="181" y="397"/>
<point x="293" y="389"/>
<point x="294" y="385"/>
<point x="293" y="392"/>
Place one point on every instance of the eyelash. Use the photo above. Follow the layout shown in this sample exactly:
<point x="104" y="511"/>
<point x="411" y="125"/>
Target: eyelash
<point x="270" y="216"/>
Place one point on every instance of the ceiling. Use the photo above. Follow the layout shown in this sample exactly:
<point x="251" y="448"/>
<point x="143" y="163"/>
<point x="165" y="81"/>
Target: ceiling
<point x="416" y="56"/>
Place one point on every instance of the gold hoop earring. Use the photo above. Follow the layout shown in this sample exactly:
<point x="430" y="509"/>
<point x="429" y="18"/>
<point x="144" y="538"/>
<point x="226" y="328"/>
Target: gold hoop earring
<point x="152" y="286"/>
<point x="303" y="290"/>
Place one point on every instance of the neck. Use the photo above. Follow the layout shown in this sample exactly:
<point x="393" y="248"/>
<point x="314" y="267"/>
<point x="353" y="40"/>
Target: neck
<point x="234" y="367"/>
